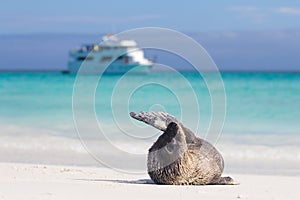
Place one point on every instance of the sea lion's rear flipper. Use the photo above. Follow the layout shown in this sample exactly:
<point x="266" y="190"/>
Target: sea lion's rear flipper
<point x="224" y="181"/>
<point x="161" y="120"/>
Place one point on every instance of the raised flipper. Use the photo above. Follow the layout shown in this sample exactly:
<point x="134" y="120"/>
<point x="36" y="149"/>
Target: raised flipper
<point x="161" y="120"/>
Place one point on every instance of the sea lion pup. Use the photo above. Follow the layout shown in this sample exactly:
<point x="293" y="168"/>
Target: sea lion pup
<point x="178" y="157"/>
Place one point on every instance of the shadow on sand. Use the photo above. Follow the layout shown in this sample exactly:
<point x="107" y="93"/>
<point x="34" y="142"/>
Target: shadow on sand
<point x="140" y="181"/>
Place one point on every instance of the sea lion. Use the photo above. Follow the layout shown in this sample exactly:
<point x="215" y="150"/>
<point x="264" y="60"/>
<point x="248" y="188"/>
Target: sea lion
<point x="178" y="157"/>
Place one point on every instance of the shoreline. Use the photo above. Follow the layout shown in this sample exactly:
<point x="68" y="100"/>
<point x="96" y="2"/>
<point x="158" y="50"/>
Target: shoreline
<point x="39" y="181"/>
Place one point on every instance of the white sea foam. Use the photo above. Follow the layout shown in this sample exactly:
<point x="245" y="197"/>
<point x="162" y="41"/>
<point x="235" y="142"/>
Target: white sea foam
<point x="60" y="145"/>
<point x="267" y="154"/>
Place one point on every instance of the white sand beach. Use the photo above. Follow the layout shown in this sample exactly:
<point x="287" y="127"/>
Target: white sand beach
<point x="32" y="181"/>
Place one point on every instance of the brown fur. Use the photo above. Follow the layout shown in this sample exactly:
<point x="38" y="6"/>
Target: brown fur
<point x="178" y="157"/>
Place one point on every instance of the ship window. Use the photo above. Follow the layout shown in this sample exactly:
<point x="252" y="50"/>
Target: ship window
<point x="120" y="58"/>
<point x="82" y="58"/>
<point x="106" y="58"/>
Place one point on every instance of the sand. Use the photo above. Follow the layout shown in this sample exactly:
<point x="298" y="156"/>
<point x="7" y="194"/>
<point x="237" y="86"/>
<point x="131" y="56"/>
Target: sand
<point x="32" y="181"/>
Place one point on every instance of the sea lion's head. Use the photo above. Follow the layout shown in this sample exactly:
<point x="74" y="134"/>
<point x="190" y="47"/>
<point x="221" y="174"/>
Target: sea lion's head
<point x="169" y="148"/>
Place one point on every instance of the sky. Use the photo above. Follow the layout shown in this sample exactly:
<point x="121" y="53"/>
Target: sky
<point x="243" y="23"/>
<point x="92" y="16"/>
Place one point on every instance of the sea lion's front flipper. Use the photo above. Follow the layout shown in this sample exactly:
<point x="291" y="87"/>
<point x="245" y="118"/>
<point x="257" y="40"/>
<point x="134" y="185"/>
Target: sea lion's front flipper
<point x="159" y="120"/>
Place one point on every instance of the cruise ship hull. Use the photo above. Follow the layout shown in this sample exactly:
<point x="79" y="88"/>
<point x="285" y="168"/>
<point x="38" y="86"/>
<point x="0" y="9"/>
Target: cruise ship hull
<point x="88" y="68"/>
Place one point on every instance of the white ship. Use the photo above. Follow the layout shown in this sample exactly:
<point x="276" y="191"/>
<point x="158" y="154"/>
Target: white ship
<point x="117" y="56"/>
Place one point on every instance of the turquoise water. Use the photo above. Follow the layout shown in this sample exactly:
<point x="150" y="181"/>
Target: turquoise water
<point x="256" y="103"/>
<point x="262" y="112"/>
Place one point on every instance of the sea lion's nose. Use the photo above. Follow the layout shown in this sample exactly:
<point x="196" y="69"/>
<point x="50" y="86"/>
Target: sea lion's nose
<point x="173" y="126"/>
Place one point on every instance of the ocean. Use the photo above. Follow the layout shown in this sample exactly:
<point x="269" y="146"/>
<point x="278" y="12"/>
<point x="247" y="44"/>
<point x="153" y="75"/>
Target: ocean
<point x="49" y="118"/>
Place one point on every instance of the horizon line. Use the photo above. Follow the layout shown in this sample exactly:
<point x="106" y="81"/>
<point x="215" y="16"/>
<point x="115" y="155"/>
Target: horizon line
<point x="3" y="71"/>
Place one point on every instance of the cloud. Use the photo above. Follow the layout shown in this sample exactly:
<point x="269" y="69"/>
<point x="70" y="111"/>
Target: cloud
<point x="93" y="19"/>
<point x="252" y="10"/>
<point x="87" y="19"/>
<point x="259" y="15"/>
<point x="288" y="11"/>
<point x="243" y="8"/>
<point x="252" y="13"/>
